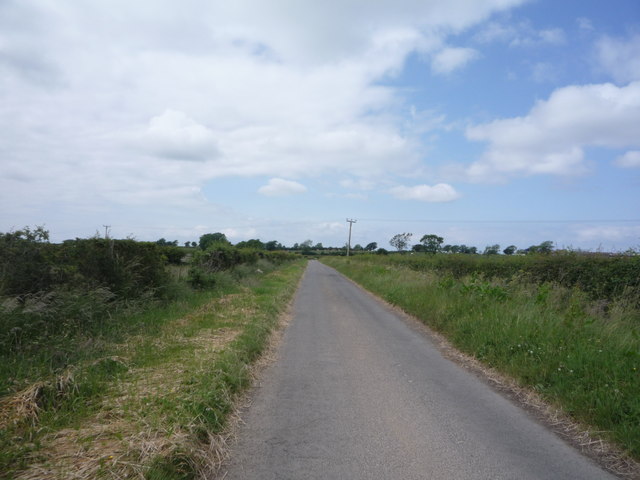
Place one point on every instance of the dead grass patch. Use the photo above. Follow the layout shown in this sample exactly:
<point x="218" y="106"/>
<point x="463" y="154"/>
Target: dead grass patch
<point x="26" y="405"/>
<point x="121" y="439"/>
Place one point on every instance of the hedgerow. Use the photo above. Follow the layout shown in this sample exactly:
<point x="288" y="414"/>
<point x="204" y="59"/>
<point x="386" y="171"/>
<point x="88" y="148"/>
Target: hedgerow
<point x="601" y="276"/>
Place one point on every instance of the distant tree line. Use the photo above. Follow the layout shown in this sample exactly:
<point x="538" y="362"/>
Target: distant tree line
<point x="401" y="242"/>
<point x="432" y="243"/>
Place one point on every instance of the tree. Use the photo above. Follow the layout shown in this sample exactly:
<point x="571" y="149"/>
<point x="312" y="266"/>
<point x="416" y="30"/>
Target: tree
<point x="510" y="250"/>
<point x="318" y="246"/>
<point x="253" y="243"/>
<point x="431" y="243"/>
<point x="544" y="247"/>
<point x="492" y="249"/>
<point x="209" y="239"/>
<point x="463" y="249"/>
<point x="400" y="241"/>
<point x="358" y="247"/>
<point x="273" y="245"/>
<point x="371" y="247"/>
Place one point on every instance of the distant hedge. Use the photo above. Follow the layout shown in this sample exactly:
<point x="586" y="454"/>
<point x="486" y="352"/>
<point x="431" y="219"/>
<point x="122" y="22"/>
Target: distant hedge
<point x="221" y="257"/>
<point x="600" y="275"/>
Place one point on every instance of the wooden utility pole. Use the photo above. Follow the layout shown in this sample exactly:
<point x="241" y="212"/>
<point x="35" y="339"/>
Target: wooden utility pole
<point x="351" y="222"/>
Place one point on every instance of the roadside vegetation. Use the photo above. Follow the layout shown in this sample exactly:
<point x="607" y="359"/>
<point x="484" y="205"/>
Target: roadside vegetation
<point x="564" y="325"/>
<point x="122" y="359"/>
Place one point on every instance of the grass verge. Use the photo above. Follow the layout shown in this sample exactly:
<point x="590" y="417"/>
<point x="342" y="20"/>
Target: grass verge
<point x="151" y="398"/>
<point x="551" y="339"/>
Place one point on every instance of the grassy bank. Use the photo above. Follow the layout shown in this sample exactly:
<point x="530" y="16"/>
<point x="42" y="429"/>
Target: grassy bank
<point x="603" y="277"/>
<point x="144" y="394"/>
<point x="580" y="353"/>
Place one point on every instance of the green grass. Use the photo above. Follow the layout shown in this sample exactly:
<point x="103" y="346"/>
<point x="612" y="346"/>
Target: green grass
<point x="164" y="376"/>
<point x="577" y="352"/>
<point x="602" y="276"/>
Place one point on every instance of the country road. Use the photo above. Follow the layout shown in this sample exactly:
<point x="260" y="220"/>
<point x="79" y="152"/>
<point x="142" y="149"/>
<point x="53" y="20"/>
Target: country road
<point x="358" y="393"/>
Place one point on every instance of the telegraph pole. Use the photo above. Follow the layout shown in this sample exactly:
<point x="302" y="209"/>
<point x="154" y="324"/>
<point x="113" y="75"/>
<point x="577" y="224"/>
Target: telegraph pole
<point x="351" y="222"/>
<point x="106" y="231"/>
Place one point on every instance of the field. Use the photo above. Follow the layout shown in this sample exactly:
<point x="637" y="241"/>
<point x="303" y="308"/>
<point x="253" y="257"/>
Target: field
<point x="529" y="318"/>
<point x="104" y="373"/>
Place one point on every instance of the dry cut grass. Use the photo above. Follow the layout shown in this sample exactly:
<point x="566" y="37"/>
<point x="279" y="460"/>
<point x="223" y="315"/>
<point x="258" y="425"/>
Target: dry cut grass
<point x="135" y="422"/>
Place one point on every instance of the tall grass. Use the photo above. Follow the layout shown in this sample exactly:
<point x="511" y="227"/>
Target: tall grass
<point x="601" y="276"/>
<point x="64" y="378"/>
<point x="578" y="352"/>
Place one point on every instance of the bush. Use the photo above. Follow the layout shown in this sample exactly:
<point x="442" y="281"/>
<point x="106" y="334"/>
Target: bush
<point x="52" y="291"/>
<point x="29" y="264"/>
<point x="173" y="254"/>
<point x="206" y="266"/>
<point x="128" y="268"/>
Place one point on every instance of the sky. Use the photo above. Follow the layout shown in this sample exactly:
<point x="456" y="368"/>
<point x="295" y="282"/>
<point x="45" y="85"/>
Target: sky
<point x="508" y="122"/>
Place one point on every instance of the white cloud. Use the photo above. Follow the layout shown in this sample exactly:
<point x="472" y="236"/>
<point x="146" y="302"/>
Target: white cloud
<point x="277" y="187"/>
<point x="629" y="160"/>
<point x="452" y="58"/>
<point x="552" y="137"/>
<point x="620" y="58"/>
<point x="174" y="135"/>
<point x="441" y="192"/>
<point x="102" y="101"/>
<point x="236" y="234"/>
<point x="608" y="233"/>
<point x="520" y="34"/>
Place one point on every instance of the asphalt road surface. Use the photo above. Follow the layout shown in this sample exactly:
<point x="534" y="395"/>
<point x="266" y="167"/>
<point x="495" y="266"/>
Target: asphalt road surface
<point x="357" y="393"/>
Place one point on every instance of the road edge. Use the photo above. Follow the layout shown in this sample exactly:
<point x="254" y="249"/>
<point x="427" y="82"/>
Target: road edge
<point x="582" y="438"/>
